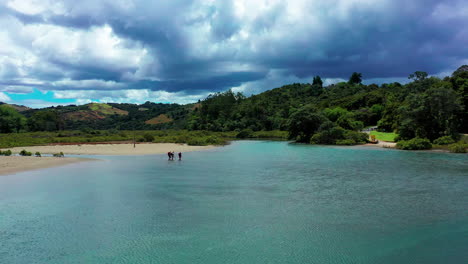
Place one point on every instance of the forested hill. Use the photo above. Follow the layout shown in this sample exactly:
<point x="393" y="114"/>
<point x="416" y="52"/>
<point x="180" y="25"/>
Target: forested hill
<point x="426" y="107"/>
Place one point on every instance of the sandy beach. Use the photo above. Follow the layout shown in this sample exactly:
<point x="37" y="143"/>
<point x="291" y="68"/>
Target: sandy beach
<point x="113" y="149"/>
<point x="14" y="164"/>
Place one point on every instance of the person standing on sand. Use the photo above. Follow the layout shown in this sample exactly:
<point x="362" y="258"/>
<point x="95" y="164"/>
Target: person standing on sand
<point x="180" y="155"/>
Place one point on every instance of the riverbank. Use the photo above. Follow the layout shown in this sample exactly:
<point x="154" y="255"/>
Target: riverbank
<point x="15" y="164"/>
<point x="382" y="144"/>
<point x="112" y="149"/>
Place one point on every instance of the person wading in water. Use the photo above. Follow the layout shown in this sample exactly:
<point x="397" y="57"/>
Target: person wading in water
<point x="180" y="155"/>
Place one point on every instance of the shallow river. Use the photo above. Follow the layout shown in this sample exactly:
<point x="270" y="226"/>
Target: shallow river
<point x="249" y="202"/>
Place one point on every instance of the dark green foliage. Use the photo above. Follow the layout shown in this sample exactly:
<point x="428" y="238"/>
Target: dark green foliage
<point x="304" y="123"/>
<point x="317" y="81"/>
<point x="427" y="107"/>
<point x="431" y="114"/>
<point x="414" y="144"/>
<point x="148" y="137"/>
<point x="38" y="154"/>
<point x="25" y="153"/>
<point x="10" y="120"/>
<point x="458" y="148"/>
<point x="328" y="134"/>
<point x="418" y="76"/>
<point x="5" y="153"/>
<point x="356" y="78"/>
<point x="348" y="142"/>
<point x="59" y="155"/>
<point x="445" y="140"/>
<point x="45" y="121"/>
<point x="245" y="133"/>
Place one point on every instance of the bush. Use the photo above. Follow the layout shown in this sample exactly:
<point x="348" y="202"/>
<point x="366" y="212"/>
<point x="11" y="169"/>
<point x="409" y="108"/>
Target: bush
<point x="197" y="142"/>
<point x="5" y="153"/>
<point x="348" y="142"/>
<point x="148" y="137"/>
<point x="59" y="155"/>
<point x="357" y="137"/>
<point x="447" y="140"/>
<point x="414" y="144"/>
<point x="38" y="154"/>
<point x="25" y="153"/>
<point x="246" y="133"/>
<point x="458" y="148"/>
<point x="328" y="134"/>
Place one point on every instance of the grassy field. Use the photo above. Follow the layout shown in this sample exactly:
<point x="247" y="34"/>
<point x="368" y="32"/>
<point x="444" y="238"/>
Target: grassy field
<point x="195" y="138"/>
<point x="390" y="137"/>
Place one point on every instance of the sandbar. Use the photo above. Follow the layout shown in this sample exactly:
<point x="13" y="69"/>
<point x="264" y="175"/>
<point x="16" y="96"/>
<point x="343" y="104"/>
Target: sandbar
<point x="113" y="149"/>
<point x="14" y="164"/>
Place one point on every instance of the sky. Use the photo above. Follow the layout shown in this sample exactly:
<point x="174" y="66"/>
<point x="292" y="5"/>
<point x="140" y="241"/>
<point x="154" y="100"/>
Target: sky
<point x="56" y="52"/>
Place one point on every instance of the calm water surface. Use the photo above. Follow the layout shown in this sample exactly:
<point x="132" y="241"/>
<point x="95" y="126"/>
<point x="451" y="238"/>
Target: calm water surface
<point x="250" y="202"/>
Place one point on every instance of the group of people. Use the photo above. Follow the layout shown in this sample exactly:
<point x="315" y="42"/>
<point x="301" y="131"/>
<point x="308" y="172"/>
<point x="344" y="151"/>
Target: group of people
<point x="171" y="155"/>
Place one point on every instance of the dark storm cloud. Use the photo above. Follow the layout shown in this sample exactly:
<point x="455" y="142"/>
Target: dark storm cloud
<point x="200" y="45"/>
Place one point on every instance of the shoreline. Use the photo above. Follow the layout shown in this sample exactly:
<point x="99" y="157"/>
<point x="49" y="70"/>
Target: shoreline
<point x="13" y="164"/>
<point x="112" y="149"/>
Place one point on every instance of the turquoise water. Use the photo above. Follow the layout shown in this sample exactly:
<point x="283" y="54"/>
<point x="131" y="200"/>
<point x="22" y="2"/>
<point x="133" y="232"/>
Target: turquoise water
<point x="249" y="202"/>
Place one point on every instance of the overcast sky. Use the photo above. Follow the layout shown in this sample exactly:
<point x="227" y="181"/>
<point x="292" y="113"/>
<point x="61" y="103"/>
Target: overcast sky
<point x="60" y="52"/>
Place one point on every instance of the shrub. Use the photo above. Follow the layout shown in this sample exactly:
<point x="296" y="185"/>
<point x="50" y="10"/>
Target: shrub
<point x="357" y="137"/>
<point x="38" y="154"/>
<point x="213" y="140"/>
<point x="328" y="134"/>
<point x="25" y="153"/>
<point x="140" y="139"/>
<point x="246" y="133"/>
<point x="148" y="137"/>
<point x="414" y="144"/>
<point x="197" y="142"/>
<point x="59" y="155"/>
<point x="348" y="142"/>
<point x="447" y="140"/>
<point x="458" y="148"/>
<point x="5" y="153"/>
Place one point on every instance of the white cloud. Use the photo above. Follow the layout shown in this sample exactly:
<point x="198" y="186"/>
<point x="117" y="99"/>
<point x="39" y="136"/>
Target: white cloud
<point x="96" y="45"/>
<point x="4" y="98"/>
<point x="83" y="84"/>
<point x="129" y="96"/>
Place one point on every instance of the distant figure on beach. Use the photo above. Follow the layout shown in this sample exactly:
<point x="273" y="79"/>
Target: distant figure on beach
<point x="180" y="155"/>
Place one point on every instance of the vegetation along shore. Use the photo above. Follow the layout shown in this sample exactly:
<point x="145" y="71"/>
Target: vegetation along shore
<point x="428" y="112"/>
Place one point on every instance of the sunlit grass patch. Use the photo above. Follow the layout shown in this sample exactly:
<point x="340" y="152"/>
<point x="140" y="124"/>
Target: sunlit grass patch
<point x="384" y="136"/>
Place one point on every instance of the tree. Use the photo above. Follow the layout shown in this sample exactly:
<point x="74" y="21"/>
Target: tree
<point x="356" y="78"/>
<point x="418" y="76"/>
<point x="45" y="121"/>
<point x="10" y="120"/>
<point x="317" y="81"/>
<point x="459" y="81"/>
<point x="431" y="114"/>
<point x="304" y="123"/>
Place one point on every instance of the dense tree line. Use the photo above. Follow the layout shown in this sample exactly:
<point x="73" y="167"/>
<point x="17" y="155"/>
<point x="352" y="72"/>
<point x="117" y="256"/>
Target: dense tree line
<point x="426" y="107"/>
